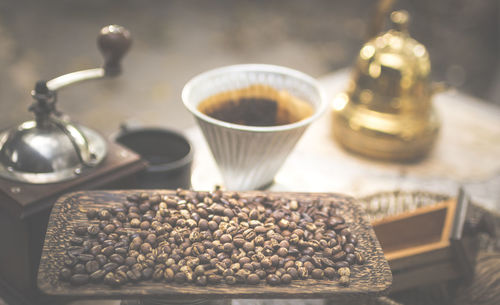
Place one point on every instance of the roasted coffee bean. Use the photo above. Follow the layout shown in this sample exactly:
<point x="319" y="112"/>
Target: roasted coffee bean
<point x="336" y="249"/>
<point x="110" y="267"/>
<point x="108" y="243"/>
<point x="147" y="273"/>
<point x="317" y="274"/>
<point x="80" y="230"/>
<point x="212" y="225"/>
<point x="91" y="213"/>
<point x="261" y="273"/>
<point x="266" y="263"/>
<point x="146" y="248"/>
<point x="228" y="213"/>
<point x="117" y="258"/>
<point x="122" y="268"/>
<point x="248" y="267"/>
<point x="169" y="275"/>
<point x="230" y="280"/>
<point x="101" y="259"/>
<point x="214" y="279"/>
<point x="203" y="224"/>
<point x="316" y="261"/>
<point x="93" y="230"/>
<point x="225" y="238"/>
<point x="253" y="214"/>
<point x="239" y="242"/>
<point x="350" y="258"/>
<point x="121" y="251"/>
<point x="338" y="256"/>
<point x="85" y="257"/>
<point x="111" y="280"/>
<point x="241" y="275"/>
<point x="65" y="274"/>
<point x="352" y="239"/>
<point x="97" y="275"/>
<point x="121" y="277"/>
<point x="91" y="266"/>
<point x="145" y="225"/>
<point x="335" y="221"/>
<point x="248" y="246"/>
<point x="144" y="207"/>
<point x="286" y="278"/>
<point x="249" y="234"/>
<point x="275" y="260"/>
<point x="244" y="260"/>
<point x="104" y="214"/>
<point x="253" y="279"/>
<point x="79" y="279"/>
<point x="133" y="198"/>
<point x="327" y="262"/>
<point x="79" y="268"/>
<point x="330" y="272"/>
<point x="109" y="228"/>
<point x="95" y="250"/>
<point x="344" y="280"/>
<point x="158" y="274"/>
<point x="108" y="250"/>
<point x="308" y="251"/>
<point x="135" y="223"/>
<point x="273" y="279"/>
<point x="293" y="272"/>
<point x="201" y="280"/>
<point x="260" y="229"/>
<point x="228" y="247"/>
<point x="303" y="272"/>
<point x="344" y="271"/>
<point x="73" y="252"/>
<point x="341" y="264"/>
<point x="309" y="266"/>
<point x="134" y="275"/>
<point x="282" y="252"/>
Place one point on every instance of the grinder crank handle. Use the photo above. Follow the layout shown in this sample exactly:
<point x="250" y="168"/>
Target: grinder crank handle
<point x="113" y="42"/>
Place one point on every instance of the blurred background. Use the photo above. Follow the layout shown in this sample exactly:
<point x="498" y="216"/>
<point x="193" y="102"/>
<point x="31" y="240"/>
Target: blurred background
<point x="175" y="40"/>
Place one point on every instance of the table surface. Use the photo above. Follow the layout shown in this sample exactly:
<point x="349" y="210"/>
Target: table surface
<point x="467" y="154"/>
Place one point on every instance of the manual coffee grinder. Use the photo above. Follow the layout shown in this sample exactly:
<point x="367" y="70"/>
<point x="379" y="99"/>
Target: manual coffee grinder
<point x="44" y="158"/>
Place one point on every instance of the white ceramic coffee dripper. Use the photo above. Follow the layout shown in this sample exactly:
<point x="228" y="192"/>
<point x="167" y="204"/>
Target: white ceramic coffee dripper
<point x="249" y="157"/>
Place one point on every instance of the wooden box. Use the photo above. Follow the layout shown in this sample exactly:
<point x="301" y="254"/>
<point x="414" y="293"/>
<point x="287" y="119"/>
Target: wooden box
<point x="428" y="245"/>
<point x="24" y="214"/>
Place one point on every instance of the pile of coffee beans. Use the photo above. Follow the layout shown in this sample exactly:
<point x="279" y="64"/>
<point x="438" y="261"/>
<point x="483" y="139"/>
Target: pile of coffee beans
<point x="207" y="238"/>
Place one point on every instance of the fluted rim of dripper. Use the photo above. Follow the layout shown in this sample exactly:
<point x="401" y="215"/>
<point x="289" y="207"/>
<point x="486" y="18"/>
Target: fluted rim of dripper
<point x="318" y="111"/>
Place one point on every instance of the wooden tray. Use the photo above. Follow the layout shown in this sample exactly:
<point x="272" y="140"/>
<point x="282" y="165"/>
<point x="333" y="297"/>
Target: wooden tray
<point x="371" y="279"/>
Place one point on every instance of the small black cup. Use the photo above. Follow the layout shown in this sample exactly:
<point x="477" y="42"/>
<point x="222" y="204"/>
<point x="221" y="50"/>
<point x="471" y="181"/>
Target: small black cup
<point x="168" y="153"/>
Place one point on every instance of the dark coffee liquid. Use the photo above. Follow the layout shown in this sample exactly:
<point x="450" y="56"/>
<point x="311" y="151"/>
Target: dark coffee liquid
<point x="247" y="111"/>
<point x="256" y="111"/>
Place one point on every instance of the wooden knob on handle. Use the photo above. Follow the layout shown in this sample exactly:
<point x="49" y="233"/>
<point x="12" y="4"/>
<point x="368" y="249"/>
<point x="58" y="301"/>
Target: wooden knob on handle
<point x="113" y="42"/>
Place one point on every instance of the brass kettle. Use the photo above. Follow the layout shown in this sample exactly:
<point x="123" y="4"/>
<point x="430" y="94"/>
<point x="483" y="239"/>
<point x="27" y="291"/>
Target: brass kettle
<point x="386" y="111"/>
